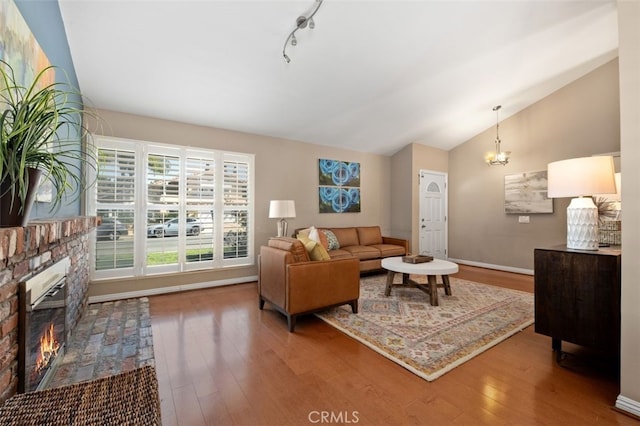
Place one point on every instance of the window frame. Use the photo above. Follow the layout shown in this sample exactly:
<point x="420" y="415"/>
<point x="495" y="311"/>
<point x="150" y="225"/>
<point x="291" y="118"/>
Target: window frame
<point x="141" y="207"/>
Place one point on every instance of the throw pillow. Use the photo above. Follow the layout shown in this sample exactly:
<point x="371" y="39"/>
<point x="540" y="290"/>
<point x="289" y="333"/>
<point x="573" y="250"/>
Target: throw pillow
<point x="313" y="234"/>
<point x="308" y="243"/>
<point x="315" y="250"/>
<point x="304" y="232"/>
<point x="319" y="253"/>
<point x="332" y="240"/>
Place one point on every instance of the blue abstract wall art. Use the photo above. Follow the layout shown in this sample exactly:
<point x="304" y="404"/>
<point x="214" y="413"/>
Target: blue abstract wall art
<point x="339" y="190"/>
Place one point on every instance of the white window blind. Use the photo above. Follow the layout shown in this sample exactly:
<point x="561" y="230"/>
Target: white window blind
<point x="236" y="207"/>
<point x="168" y="208"/>
<point x="116" y="180"/>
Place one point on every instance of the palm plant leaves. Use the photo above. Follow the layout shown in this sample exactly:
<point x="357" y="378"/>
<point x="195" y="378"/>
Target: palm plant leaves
<point x="41" y="127"/>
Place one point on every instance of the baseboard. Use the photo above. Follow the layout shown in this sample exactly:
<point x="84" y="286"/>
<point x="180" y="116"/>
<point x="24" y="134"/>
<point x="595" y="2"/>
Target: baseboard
<point x="172" y="289"/>
<point x="628" y="405"/>
<point x="490" y="266"/>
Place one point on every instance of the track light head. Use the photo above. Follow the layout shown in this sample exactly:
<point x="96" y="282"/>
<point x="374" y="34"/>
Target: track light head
<point x="302" y="21"/>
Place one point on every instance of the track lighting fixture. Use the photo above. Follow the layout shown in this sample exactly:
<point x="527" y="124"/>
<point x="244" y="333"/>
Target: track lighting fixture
<point x="301" y="22"/>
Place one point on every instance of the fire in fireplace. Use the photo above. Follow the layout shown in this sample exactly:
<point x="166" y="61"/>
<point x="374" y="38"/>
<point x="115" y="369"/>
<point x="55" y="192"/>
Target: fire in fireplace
<point x="42" y="326"/>
<point x="49" y="346"/>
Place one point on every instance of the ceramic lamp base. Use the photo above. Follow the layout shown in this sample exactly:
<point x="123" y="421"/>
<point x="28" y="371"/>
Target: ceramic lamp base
<point x="582" y="224"/>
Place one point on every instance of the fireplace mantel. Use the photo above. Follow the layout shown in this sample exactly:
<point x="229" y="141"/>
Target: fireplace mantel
<point x="38" y="235"/>
<point x="25" y="251"/>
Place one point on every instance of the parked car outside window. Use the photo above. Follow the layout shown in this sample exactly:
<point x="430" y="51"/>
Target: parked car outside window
<point x="111" y="229"/>
<point x="170" y="228"/>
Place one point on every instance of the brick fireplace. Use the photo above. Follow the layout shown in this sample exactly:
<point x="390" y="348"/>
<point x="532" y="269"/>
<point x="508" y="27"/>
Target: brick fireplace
<point x="42" y="307"/>
<point x="25" y="252"/>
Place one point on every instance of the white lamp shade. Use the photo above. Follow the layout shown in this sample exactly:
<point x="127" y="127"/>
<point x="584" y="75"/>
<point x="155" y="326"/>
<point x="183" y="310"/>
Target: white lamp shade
<point x="617" y="196"/>
<point x="584" y="176"/>
<point x="282" y="208"/>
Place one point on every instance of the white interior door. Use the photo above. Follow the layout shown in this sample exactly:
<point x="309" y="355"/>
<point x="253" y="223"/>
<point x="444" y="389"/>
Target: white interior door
<point x="433" y="214"/>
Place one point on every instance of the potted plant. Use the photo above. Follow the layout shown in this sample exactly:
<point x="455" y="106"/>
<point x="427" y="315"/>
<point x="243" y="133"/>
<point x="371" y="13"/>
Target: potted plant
<point x="41" y="134"/>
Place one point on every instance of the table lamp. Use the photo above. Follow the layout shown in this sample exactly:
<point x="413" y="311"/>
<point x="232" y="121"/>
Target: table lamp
<point x="581" y="178"/>
<point x="282" y="209"/>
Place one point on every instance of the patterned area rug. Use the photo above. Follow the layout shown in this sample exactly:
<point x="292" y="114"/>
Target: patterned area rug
<point x="431" y="340"/>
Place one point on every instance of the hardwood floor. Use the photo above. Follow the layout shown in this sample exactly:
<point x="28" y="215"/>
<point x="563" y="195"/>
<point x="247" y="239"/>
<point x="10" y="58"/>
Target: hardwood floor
<point x="220" y="360"/>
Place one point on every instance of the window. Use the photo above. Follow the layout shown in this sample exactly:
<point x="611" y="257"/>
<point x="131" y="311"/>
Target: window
<point x="236" y="207"/>
<point x="193" y="210"/>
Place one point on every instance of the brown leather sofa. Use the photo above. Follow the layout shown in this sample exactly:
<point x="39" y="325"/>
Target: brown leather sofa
<point x="295" y="285"/>
<point x="366" y="244"/>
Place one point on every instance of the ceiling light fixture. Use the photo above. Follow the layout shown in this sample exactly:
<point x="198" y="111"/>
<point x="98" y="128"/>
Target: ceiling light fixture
<point x="301" y="22"/>
<point x="498" y="157"/>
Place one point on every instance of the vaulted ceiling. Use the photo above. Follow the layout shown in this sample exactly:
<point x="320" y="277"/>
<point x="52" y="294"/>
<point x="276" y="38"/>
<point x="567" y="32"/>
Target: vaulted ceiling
<point x="372" y="76"/>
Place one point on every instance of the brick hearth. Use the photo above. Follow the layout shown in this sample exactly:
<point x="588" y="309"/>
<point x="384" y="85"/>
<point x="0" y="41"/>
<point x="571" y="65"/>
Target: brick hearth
<point x="26" y="251"/>
<point x="110" y="338"/>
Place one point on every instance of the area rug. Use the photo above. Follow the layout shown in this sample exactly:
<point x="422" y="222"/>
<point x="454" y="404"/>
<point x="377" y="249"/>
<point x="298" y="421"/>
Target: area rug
<point x="129" y="398"/>
<point x="431" y="340"/>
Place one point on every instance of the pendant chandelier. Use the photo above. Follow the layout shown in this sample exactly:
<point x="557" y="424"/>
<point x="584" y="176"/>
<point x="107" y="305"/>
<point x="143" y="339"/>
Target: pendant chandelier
<point x="498" y="157"/>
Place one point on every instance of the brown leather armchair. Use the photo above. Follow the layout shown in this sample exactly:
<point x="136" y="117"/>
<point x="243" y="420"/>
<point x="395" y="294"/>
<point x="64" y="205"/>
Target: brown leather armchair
<point x="294" y="285"/>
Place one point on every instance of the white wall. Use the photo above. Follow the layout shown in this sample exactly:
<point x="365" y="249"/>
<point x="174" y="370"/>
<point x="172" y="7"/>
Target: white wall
<point x="629" y="51"/>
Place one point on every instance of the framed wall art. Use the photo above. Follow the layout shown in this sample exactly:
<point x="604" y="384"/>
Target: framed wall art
<point x="526" y="192"/>
<point x="339" y="186"/>
<point x="20" y="49"/>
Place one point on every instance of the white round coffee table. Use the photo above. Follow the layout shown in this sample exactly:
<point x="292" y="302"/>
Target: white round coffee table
<point x="430" y="269"/>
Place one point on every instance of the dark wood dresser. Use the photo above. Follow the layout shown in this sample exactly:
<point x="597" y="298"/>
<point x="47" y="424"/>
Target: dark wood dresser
<point x="577" y="297"/>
